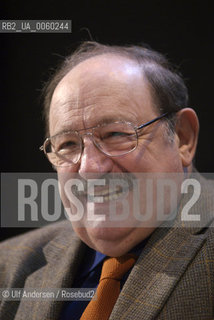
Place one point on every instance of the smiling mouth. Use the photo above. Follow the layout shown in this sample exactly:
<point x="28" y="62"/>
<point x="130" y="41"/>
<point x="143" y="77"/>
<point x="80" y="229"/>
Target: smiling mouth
<point x="106" y="194"/>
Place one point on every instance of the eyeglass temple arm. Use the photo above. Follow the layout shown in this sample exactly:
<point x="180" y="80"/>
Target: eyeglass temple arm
<point x="152" y="121"/>
<point x="42" y="147"/>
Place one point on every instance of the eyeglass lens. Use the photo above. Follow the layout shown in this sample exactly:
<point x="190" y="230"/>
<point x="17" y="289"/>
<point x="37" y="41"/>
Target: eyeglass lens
<point x="112" y="139"/>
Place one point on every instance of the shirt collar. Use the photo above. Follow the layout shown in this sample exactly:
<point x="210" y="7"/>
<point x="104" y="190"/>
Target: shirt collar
<point x="93" y="258"/>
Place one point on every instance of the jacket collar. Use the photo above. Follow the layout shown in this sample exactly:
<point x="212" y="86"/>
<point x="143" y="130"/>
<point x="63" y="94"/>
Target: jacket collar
<point x="62" y="257"/>
<point x="163" y="261"/>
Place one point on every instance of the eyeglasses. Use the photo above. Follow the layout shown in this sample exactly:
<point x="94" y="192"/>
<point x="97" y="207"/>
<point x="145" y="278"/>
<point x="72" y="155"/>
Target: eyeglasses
<point x="113" y="139"/>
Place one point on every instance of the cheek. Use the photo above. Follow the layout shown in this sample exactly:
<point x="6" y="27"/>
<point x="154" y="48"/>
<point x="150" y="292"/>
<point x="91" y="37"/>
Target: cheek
<point x="81" y="232"/>
<point x="156" y="157"/>
<point x="66" y="176"/>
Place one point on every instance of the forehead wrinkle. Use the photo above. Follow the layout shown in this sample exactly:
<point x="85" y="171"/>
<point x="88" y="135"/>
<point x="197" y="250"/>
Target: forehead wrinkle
<point x="107" y="91"/>
<point x="64" y="105"/>
<point x="62" y="115"/>
<point x="104" y="92"/>
<point x="105" y="95"/>
<point x="111" y="87"/>
<point x="71" y="103"/>
<point x="114" y="99"/>
<point x="83" y="107"/>
<point x="101" y="72"/>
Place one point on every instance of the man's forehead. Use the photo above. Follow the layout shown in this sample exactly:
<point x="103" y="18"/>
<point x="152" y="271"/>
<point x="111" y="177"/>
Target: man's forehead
<point x="103" y="84"/>
<point x="103" y="66"/>
<point x="105" y="74"/>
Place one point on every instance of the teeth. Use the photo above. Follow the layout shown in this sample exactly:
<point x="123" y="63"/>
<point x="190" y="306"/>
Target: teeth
<point x="109" y="197"/>
<point x="102" y="192"/>
<point x="107" y="192"/>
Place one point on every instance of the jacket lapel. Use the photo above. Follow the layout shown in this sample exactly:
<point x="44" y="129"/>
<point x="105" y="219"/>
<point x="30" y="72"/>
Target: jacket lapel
<point x="164" y="260"/>
<point x="63" y="255"/>
<point x="155" y="274"/>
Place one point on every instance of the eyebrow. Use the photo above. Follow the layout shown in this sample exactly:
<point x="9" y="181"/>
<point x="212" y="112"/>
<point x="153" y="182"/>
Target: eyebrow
<point x="105" y="120"/>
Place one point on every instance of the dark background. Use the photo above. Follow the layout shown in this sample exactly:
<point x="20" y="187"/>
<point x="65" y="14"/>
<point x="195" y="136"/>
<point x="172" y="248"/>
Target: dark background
<point x="183" y="30"/>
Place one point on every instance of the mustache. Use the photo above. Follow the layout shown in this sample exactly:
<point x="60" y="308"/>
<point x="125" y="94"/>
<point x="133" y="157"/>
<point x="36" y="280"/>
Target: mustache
<point x="109" y="180"/>
<point x="109" y="177"/>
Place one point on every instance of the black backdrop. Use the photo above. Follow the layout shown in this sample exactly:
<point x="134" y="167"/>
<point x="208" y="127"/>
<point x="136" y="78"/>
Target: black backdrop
<point x="181" y="29"/>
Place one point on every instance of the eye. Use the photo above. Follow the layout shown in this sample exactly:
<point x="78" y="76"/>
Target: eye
<point x="67" y="145"/>
<point x="114" y="134"/>
<point x="117" y="134"/>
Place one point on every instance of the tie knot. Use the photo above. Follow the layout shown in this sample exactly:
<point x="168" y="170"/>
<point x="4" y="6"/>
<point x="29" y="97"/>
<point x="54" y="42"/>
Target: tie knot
<point x="115" y="268"/>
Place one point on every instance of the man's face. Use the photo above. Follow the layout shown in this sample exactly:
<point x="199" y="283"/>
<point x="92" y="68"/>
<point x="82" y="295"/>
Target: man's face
<point x="102" y="89"/>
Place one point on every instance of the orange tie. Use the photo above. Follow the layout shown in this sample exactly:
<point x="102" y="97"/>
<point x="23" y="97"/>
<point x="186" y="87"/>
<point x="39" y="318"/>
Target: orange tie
<point x="108" y="289"/>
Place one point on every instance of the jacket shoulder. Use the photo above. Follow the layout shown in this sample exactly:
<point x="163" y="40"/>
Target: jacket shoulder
<point x="24" y="253"/>
<point x="36" y="238"/>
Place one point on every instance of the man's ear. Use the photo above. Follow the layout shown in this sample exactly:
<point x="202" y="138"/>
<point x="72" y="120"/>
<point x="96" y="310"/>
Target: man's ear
<point x="187" y="129"/>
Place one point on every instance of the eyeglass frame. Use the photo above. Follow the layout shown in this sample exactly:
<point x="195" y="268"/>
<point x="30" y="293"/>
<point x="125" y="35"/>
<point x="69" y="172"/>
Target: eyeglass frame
<point x="136" y="128"/>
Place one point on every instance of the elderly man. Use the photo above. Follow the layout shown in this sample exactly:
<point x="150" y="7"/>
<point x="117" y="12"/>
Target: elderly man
<point x="117" y="111"/>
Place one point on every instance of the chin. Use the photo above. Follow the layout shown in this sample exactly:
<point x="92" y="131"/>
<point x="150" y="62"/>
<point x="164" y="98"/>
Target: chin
<point x="110" y="241"/>
<point x="110" y="248"/>
<point x="109" y="234"/>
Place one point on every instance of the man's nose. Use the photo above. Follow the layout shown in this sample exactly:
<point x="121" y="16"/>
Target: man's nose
<point x="93" y="161"/>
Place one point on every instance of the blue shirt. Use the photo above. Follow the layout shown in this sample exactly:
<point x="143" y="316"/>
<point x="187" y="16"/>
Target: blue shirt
<point x="88" y="277"/>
